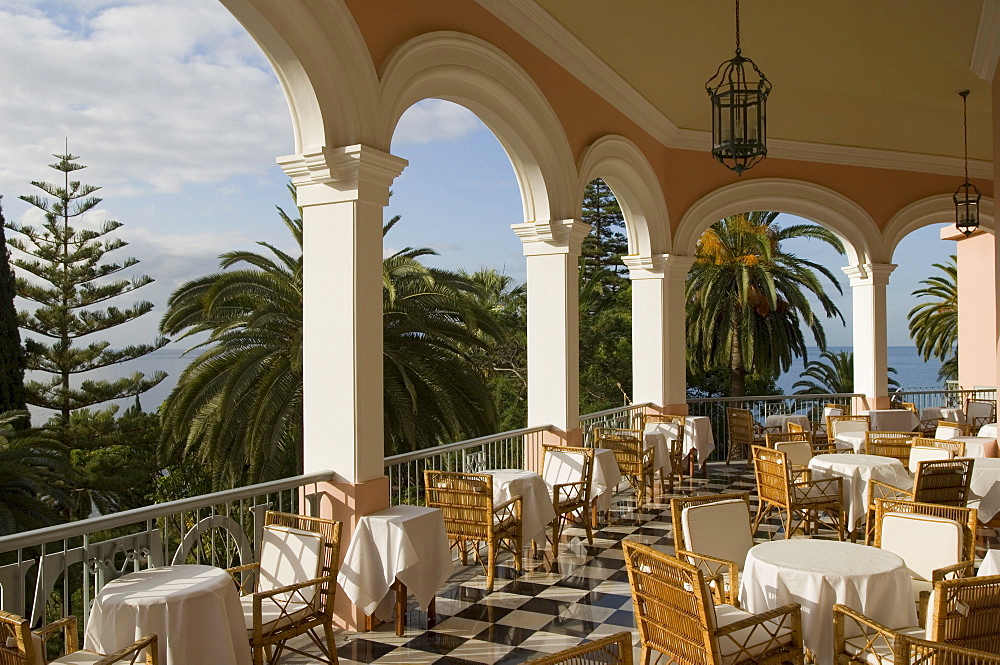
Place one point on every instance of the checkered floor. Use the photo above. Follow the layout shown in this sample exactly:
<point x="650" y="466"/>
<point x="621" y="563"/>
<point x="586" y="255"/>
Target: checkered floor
<point x="552" y="605"/>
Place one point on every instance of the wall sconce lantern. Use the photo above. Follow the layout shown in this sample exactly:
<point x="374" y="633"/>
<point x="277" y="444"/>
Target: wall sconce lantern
<point x="967" y="195"/>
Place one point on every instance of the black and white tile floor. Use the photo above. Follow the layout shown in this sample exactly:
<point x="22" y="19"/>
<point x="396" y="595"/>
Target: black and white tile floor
<point x="552" y="605"/>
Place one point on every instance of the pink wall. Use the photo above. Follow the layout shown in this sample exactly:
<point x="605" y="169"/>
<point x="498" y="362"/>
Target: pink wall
<point x="977" y="307"/>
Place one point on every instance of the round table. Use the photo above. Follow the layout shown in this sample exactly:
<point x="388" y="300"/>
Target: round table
<point x="195" y="612"/>
<point x="536" y="504"/>
<point x="989" y="429"/>
<point x="818" y="574"/>
<point x="857" y="471"/>
<point x="782" y="419"/>
<point x="978" y="446"/>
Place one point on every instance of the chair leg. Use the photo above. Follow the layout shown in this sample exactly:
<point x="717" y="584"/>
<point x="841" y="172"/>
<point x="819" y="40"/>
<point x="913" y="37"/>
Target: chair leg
<point x="556" y="531"/>
<point x="331" y="643"/>
<point x="490" y="565"/>
<point x="258" y="655"/>
<point x="587" y="515"/>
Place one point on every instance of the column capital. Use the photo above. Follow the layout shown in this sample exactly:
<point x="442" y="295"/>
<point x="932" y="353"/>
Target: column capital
<point x="555" y="236"/>
<point x="658" y="266"/>
<point x="869" y="274"/>
<point x="335" y="175"/>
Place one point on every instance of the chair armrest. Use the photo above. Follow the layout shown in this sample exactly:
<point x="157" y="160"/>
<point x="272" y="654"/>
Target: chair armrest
<point x="70" y="632"/>
<point x="823" y="484"/>
<point x="885" y="491"/>
<point x="291" y="589"/>
<point x="727" y="570"/>
<point x="960" y="569"/>
<point x="874" y="633"/>
<point x="241" y="581"/>
<point x="510" y="509"/>
<point x="787" y="617"/>
<point x="146" y="641"/>
<point x="560" y="488"/>
<point x="801" y="474"/>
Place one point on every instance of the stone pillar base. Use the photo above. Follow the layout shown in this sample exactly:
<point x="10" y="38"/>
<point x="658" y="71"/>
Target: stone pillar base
<point x="348" y="502"/>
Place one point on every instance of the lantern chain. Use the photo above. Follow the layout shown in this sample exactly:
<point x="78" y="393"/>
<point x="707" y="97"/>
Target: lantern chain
<point x="737" y="27"/>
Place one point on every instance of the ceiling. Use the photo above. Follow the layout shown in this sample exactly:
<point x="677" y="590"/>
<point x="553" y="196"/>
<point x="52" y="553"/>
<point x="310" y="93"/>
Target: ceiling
<point x="861" y="73"/>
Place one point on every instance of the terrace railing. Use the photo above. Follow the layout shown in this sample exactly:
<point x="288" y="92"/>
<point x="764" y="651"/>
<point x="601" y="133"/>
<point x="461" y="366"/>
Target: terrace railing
<point x="496" y="451"/>
<point x="938" y="397"/>
<point x="63" y="567"/>
<point x="627" y="417"/>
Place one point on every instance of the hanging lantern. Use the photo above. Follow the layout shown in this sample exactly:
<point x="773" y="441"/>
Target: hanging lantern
<point x="739" y="120"/>
<point x="967" y="195"/>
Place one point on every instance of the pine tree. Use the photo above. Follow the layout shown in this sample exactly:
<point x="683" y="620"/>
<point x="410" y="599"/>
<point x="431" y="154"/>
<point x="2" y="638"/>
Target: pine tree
<point x="604" y="246"/>
<point x="11" y="353"/>
<point x="69" y="283"/>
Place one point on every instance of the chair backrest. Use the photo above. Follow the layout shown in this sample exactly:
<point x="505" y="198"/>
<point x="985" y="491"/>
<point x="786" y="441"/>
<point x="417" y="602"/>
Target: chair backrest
<point x="909" y="406"/>
<point x="297" y="527"/>
<point x="18" y="645"/>
<point x="925" y="542"/>
<point x="465" y="501"/>
<point x="944" y="482"/>
<point x="673" y="608"/>
<point x="978" y="412"/>
<point x="890" y="444"/>
<point x="836" y="410"/>
<point x="677" y="429"/>
<point x="956" y="448"/>
<point x="967" y="517"/>
<point x="920" y="454"/>
<point x="740" y="423"/>
<point x="679" y="504"/>
<point x="964" y="612"/>
<point x="720" y="529"/>
<point x="950" y="430"/>
<point x="567" y="464"/>
<point x="611" y="650"/>
<point x="796" y="428"/>
<point x="770" y="468"/>
<point x="840" y="424"/>
<point x="627" y="445"/>
<point x="797" y="445"/>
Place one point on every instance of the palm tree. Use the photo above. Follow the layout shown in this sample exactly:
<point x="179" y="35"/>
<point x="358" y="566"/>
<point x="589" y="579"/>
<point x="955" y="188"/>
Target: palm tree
<point x="746" y="297"/>
<point x="934" y="324"/>
<point x="833" y="373"/>
<point x="33" y="464"/>
<point x="238" y="405"/>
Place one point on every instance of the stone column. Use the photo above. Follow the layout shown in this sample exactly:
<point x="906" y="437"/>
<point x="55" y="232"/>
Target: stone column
<point x="342" y="193"/>
<point x="552" y="251"/>
<point x="659" y="348"/>
<point x="868" y="282"/>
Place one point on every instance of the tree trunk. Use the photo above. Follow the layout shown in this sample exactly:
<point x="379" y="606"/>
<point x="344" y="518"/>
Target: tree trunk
<point x="737" y="371"/>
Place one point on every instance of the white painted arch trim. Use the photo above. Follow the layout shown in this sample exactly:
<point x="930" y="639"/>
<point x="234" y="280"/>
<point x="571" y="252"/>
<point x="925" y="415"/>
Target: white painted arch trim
<point x="628" y="173"/>
<point x="814" y="202"/>
<point x="938" y="209"/>
<point x="469" y="71"/>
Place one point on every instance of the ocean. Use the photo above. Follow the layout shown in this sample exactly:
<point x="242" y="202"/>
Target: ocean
<point x="912" y="372"/>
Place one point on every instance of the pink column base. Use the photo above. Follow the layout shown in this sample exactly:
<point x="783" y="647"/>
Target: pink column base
<point x="533" y="451"/>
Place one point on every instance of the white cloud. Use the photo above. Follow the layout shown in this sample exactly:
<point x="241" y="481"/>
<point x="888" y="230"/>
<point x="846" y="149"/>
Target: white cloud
<point x="435" y="120"/>
<point x="153" y="94"/>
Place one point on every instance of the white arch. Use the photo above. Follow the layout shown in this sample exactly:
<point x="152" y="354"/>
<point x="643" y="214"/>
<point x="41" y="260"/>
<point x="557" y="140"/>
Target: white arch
<point x="468" y="71"/>
<point x="814" y="202"/>
<point x="939" y="209"/>
<point x="322" y="64"/>
<point x="622" y="165"/>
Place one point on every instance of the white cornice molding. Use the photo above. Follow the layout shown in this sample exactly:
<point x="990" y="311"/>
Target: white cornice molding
<point x="552" y="38"/>
<point x="986" y="51"/>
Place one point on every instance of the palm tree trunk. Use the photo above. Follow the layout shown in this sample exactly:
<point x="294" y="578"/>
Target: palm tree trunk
<point x="737" y="372"/>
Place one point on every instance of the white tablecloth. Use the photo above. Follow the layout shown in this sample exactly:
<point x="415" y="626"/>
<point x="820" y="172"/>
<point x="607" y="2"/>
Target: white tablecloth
<point x="978" y="446"/>
<point x="194" y="610"/>
<point x="408" y="543"/>
<point x="536" y="506"/>
<point x="990" y="564"/>
<point x="819" y="574"/>
<point x="607" y="475"/>
<point x="989" y="429"/>
<point x="893" y="420"/>
<point x="985" y="488"/>
<point x="952" y="414"/>
<point x="855" y="440"/>
<point x="857" y="471"/>
<point x="657" y="439"/>
<point x="782" y="419"/>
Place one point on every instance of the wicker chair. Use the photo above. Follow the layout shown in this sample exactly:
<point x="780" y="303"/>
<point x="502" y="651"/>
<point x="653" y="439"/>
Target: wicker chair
<point x="744" y="432"/>
<point x="568" y="473"/>
<point x="713" y="533"/>
<point x="889" y="444"/>
<point x="676" y="617"/>
<point x="875" y="644"/>
<point x="804" y="500"/>
<point x="964" y="612"/>
<point x="840" y="424"/>
<point x="944" y="482"/>
<point x="936" y="542"/>
<point x="948" y="430"/>
<point x="956" y="448"/>
<point x="978" y="412"/>
<point x="611" y="650"/>
<point x="635" y="461"/>
<point x="286" y="598"/>
<point x="799" y="448"/>
<point x="19" y="645"/>
<point x="676" y="446"/>
<point x="470" y="516"/>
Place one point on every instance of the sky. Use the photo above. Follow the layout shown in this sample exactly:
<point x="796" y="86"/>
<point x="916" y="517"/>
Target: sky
<point x="179" y="118"/>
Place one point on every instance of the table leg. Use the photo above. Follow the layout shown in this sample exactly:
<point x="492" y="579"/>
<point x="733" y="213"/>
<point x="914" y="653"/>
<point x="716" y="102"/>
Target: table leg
<point x="400" y="607"/>
<point x="369" y="622"/>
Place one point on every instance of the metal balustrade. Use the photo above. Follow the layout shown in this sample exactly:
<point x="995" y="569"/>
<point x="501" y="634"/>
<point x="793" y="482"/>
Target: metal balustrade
<point x="624" y="417"/>
<point x="937" y="397"/>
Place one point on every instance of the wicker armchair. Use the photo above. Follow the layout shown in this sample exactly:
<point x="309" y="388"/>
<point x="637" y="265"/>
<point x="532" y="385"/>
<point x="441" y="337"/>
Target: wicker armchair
<point x="936" y="542"/>
<point x="964" y="612"/>
<point x="676" y="617"/>
<point x="470" y="516"/>
<point x="948" y="430"/>
<point x="799" y="448"/>
<point x="611" y="650"/>
<point x="744" y="432"/>
<point x="568" y="473"/>
<point x="635" y="461"/>
<point x="19" y="645"/>
<point x="956" y="448"/>
<point x="676" y="446"/>
<point x="840" y="424"/>
<point x="713" y="533"/>
<point x="889" y="444"/>
<point x="978" y="412"/>
<point x="797" y="503"/>
<point x="284" y="597"/>
<point x="875" y="644"/>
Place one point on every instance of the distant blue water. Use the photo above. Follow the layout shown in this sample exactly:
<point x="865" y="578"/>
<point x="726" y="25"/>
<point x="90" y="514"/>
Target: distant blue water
<point x="912" y="372"/>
